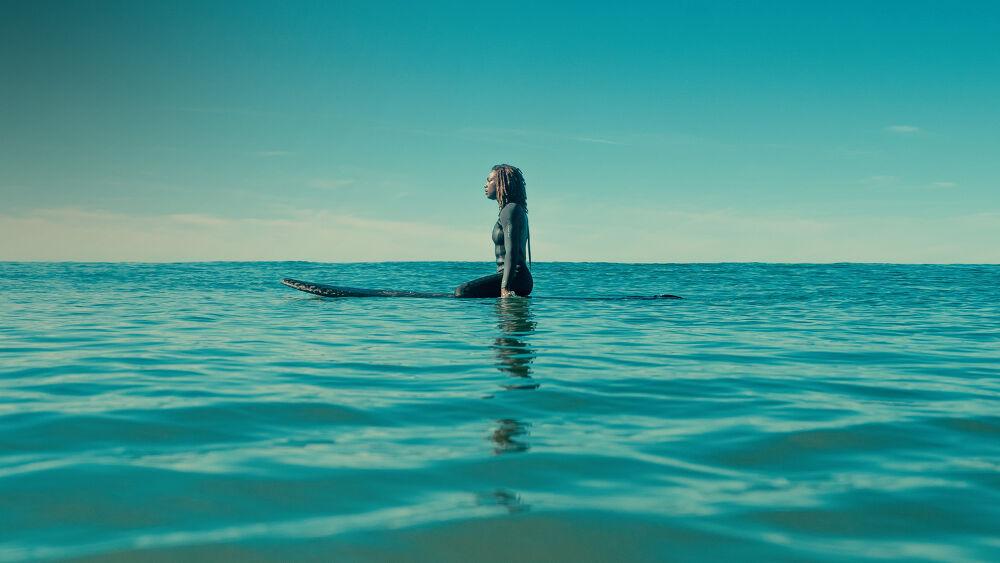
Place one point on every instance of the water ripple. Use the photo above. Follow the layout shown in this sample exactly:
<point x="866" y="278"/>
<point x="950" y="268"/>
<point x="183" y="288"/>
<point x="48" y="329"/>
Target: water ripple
<point x="778" y="412"/>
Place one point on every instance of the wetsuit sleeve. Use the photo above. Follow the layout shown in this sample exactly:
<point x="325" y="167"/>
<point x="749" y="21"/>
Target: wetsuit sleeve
<point x="513" y="231"/>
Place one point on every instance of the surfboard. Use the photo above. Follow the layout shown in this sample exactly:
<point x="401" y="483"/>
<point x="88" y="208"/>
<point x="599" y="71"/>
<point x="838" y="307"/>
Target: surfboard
<point x="342" y="291"/>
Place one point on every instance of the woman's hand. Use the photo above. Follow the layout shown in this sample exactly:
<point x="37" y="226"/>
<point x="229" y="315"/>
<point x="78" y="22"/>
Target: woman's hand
<point x="506" y="293"/>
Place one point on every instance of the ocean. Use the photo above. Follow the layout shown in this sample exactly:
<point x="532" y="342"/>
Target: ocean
<point x="203" y="411"/>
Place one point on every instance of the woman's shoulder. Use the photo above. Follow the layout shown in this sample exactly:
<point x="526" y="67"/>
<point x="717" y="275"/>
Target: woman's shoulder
<point x="513" y="209"/>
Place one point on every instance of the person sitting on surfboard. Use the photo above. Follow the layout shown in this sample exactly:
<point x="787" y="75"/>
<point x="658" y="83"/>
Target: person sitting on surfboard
<point x="505" y="184"/>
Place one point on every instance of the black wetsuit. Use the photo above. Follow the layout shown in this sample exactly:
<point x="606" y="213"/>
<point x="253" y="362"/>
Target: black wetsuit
<point x="510" y="234"/>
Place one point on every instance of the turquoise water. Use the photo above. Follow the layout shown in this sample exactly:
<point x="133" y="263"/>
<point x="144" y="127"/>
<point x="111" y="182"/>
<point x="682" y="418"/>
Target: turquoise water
<point x="778" y="412"/>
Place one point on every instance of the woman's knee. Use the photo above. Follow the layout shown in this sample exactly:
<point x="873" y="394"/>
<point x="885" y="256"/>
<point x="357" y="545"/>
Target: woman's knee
<point x="486" y="286"/>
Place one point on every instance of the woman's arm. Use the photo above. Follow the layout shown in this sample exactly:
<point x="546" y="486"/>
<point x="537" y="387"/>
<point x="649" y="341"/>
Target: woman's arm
<point x="512" y="222"/>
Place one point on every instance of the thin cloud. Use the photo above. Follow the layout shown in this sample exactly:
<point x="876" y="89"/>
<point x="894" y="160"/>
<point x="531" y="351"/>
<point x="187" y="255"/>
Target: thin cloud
<point x="329" y="183"/>
<point x="595" y="140"/>
<point x="535" y="134"/>
<point x="519" y="137"/>
<point x="225" y="110"/>
<point x="298" y="234"/>
<point x="197" y="219"/>
<point x="853" y="152"/>
<point x="881" y="180"/>
<point x="897" y="183"/>
<point x="667" y="235"/>
<point x="736" y="235"/>
<point x="903" y="129"/>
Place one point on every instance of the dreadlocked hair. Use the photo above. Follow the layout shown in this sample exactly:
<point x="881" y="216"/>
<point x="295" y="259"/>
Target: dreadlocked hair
<point x="510" y="189"/>
<point x="510" y="186"/>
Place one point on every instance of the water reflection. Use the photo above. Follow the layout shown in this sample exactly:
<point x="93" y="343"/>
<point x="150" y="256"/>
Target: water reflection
<point x="506" y="436"/>
<point x="514" y="357"/>
<point x="513" y="354"/>
<point x="500" y="497"/>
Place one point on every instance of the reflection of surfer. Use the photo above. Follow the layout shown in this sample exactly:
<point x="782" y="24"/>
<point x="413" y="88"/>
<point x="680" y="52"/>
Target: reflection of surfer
<point x="507" y="499"/>
<point x="513" y="354"/>
<point x="513" y="357"/>
<point x="506" y="434"/>
<point x="505" y="184"/>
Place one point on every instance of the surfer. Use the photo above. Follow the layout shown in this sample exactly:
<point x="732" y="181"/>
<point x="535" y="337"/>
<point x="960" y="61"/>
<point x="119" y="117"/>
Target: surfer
<point x="505" y="184"/>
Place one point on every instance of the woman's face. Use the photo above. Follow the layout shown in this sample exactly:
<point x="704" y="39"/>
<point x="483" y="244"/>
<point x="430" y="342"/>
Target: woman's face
<point x="490" y="188"/>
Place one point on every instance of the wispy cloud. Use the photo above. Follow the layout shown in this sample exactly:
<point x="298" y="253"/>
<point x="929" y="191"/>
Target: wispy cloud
<point x="595" y="140"/>
<point x="903" y="129"/>
<point x="225" y="111"/>
<point x="897" y="183"/>
<point x="880" y="180"/>
<point x="854" y="152"/>
<point x="78" y="234"/>
<point x="465" y="134"/>
<point x="533" y="134"/>
<point x="329" y="183"/>
<point x="662" y="235"/>
<point x="195" y="219"/>
<point x="736" y="235"/>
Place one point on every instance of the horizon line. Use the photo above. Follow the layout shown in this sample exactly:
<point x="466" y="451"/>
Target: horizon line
<point x="717" y="262"/>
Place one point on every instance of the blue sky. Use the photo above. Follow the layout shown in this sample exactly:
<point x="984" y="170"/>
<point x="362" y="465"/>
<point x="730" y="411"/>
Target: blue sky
<point x="362" y="131"/>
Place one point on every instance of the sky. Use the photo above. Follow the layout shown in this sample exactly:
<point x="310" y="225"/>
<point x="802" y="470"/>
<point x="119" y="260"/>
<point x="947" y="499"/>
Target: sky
<point x="363" y="131"/>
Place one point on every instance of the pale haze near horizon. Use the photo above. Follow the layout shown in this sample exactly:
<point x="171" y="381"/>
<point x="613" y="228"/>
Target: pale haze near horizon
<point x="364" y="131"/>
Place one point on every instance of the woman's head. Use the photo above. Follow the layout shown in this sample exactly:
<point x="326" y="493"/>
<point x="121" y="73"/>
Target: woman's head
<point x="505" y="184"/>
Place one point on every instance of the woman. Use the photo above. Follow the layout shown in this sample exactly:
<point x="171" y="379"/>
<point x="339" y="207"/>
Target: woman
<point x="505" y="184"/>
